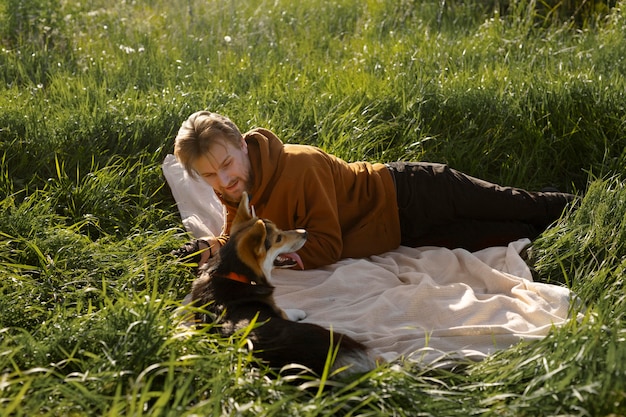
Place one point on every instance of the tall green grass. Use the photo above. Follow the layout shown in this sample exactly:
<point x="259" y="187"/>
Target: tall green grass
<point x="92" y="93"/>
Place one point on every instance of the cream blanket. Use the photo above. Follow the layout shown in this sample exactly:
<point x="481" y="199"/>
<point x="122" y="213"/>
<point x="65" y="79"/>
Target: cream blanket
<point x="422" y="304"/>
<point x="427" y="304"/>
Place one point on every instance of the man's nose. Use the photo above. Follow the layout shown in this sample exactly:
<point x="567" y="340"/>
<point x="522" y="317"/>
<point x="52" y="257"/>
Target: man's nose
<point x="224" y="178"/>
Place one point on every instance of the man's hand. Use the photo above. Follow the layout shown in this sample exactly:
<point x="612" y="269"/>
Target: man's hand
<point x="198" y="250"/>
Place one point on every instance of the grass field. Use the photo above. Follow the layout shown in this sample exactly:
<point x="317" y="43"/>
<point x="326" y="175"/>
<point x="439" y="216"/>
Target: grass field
<point x="93" y="92"/>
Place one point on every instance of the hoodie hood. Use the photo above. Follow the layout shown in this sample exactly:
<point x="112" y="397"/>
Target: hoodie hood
<point x="265" y="151"/>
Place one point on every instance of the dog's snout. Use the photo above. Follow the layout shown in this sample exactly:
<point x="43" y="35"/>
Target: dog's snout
<point x="302" y="232"/>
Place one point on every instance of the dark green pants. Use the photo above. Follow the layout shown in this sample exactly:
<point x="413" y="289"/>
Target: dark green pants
<point x="439" y="206"/>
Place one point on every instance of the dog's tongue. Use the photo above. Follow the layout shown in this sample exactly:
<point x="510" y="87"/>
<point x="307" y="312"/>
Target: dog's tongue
<point x="287" y="260"/>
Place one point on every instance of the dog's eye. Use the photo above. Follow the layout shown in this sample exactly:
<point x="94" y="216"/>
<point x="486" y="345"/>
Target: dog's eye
<point x="279" y="238"/>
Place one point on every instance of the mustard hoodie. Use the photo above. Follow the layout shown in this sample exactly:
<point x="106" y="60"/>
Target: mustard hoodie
<point x="348" y="209"/>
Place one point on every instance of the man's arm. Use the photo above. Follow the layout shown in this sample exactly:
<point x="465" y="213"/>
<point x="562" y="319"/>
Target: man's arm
<point x="317" y="213"/>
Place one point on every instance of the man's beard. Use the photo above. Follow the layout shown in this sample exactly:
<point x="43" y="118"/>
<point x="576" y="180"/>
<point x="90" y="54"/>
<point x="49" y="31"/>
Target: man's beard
<point x="247" y="188"/>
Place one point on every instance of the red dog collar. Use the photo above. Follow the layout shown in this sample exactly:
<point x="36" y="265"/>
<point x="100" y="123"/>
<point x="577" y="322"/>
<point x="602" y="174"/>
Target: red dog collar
<point x="238" y="277"/>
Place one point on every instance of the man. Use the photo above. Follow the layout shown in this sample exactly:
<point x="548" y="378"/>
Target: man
<point x="354" y="209"/>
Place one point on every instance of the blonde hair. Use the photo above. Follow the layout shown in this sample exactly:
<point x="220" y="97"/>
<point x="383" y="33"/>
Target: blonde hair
<point x="198" y="133"/>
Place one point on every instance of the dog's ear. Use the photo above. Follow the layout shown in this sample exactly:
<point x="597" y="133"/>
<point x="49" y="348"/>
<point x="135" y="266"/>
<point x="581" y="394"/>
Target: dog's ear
<point x="243" y="211"/>
<point x="256" y="237"/>
<point x="251" y="245"/>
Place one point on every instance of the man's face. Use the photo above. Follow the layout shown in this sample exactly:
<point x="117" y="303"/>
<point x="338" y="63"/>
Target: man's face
<point x="226" y="168"/>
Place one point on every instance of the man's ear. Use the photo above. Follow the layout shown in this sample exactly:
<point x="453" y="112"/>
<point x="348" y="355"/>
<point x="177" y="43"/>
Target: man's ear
<point x="243" y="211"/>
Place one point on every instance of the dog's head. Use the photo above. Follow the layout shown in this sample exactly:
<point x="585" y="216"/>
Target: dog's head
<point x="261" y="245"/>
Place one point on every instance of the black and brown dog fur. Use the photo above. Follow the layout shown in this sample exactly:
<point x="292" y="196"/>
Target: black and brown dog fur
<point x="236" y="290"/>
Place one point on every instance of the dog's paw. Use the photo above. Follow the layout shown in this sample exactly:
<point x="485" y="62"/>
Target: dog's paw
<point x="294" y="314"/>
